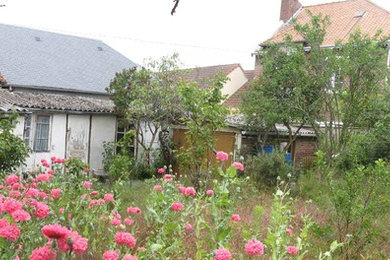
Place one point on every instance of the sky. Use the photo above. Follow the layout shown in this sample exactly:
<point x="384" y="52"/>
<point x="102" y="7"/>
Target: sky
<point x="203" y="32"/>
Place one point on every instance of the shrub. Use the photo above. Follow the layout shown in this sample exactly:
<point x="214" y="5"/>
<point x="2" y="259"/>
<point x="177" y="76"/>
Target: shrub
<point x="13" y="151"/>
<point x="265" y="168"/>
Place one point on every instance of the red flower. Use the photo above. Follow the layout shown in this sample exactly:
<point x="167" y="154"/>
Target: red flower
<point x="177" y="206"/>
<point x="55" y="231"/>
<point x="43" y="253"/>
<point x="125" y="238"/>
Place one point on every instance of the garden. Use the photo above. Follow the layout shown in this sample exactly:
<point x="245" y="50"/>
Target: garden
<point x="196" y="202"/>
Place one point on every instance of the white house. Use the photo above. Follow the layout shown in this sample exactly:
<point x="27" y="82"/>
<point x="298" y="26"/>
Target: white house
<point x="57" y="84"/>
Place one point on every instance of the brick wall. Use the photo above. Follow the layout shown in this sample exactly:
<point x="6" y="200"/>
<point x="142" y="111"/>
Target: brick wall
<point x="288" y="9"/>
<point x="305" y="148"/>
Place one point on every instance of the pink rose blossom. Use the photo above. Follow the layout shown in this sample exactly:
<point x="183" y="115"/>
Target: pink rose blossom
<point x="111" y="255"/>
<point x="222" y="254"/>
<point x="41" y="210"/>
<point x="50" y="171"/>
<point x="54" y="231"/>
<point x="157" y="187"/>
<point x="133" y="210"/>
<point x="11" y="179"/>
<point x="130" y="257"/>
<point x="190" y="191"/>
<point x="235" y="217"/>
<point x="177" y="206"/>
<point x="14" y="194"/>
<point x="55" y="193"/>
<point x="43" y="253"/>
<point x="141" y="249"/>
<point x="222" y="156"/>
<point x="289" y="231"/>
<point x="45" y="177"/>
<point x="10" y="205"/>
<point x="254" y="247"/>
<point x="182" y="190"/>
<point x="108" y="197"/>
<point x="161" y="170"/>
<point x="125" y="238"/>
<point x="238" y="166"/>
<point x="128" y="221"/>
<point x="53" y="158"/>
<point x="168" y="177"/>
<point x="292" y="250"/>
<point x="20" y="215"/>
<point x="87" y="184"/>
<point x="189" y="227"/>
<point x="94" y="193"/>
<point x="10" y="231"/>
<point x="32" y="192"/>
<point x="61" y="210"/>
<point x="210" y="192"/>
<point x="116" y="222"/>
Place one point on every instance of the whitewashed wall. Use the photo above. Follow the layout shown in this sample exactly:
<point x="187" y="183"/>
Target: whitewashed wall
<point x="76" y="141"/>
<point x="103" y="129"/>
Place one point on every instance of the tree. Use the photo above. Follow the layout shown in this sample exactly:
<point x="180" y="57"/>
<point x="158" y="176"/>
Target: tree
<point x="13" y="150"/>
<point x="337" y="91"/>
<point x="202" y="112"/>
<point x="145" y="97"/>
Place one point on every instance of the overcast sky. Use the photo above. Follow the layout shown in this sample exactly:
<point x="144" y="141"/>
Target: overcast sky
<point x="203" y="32"/>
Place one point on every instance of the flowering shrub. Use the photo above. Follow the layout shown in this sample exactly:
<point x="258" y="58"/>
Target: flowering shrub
<point x="60" y="213"/>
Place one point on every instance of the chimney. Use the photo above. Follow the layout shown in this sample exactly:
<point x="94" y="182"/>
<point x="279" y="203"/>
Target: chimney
<point x="288" y="9"/>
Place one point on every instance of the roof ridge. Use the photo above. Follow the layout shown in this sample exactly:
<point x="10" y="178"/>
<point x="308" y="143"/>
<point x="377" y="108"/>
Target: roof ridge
<point x="329" y="3"/>
<point x="220" y="65"/>
<point x="50" y="31"/>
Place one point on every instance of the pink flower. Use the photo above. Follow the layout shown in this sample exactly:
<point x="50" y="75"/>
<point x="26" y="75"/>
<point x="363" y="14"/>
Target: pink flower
<point x="254" y="247"/>
<point x="292" y="250"/>
<point x="116" y="222"/>
<point x="157" y="187"/>
<point x="108" y="197"/>
<point x="130" y="257"/>
<point x="182" y="190"/>
<point x="79" y="245"/>
<point x="50" y="171"/>
<point x="20" y="215"/>
<point x="111" y="255"/>
<point x="32" y="192"/>
<point x="222" y="254"/>
<point x="133" y="210"/>
<point x="55" y="231"/>
<point x="10" y="205"/>
<point x="43" y="253"/>
<point x="3" y="222"/>
<point x="53" y="158"/>
<point x="189" y="227"/>
<point x="222" y="156"/>
<point x="238" y="166"/>
<point x="55" y="193"/>
<point x="168" y="177"/>
<point x="289" y="231"/>
<point x="61" y="210"/>
<point x="11" y="232"/>
<point x="41" y="210"/>
<point x="94" y="193"/>
<point x="45" y="177"/>
<point x="210" y="192"/>
<point x="190" y="191"/>
<point x="14" y="194"/>
<point x="11" y="179"/>
<point x="177" y="206"/>
<point x="125" y="238"/>
<point x="128" y="221"/>
<point x="161" y="170"/>
<point x="235" y="217"/>
<point x="141" y="249"/>
<point x="87" y="184"/>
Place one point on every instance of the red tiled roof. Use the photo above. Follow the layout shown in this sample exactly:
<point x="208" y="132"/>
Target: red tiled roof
<point x="345" y="17"/>
<point x="235" y="100"/>
<point x="202" y="75"/>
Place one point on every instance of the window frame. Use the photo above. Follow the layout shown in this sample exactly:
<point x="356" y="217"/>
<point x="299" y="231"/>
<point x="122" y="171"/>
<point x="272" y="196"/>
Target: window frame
<point x="35" y="133"/>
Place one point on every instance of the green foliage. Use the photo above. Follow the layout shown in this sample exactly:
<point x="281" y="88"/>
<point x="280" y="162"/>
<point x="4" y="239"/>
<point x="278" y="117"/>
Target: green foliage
<point x="13" y="150"/>
<point x="75" y="166"/>
<point x="146" y="98"/>
<point x="358" y="198"/>
<point x="202" y="113"/>
<point x="120" y="164"/>
<point x="108" y="155"/>
<point x="264" y="169"/>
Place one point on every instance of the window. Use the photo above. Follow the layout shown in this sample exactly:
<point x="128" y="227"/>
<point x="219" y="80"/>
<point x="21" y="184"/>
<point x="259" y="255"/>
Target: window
<point x="27" y="129"/>
<point x="41" y="140"/>
<point x="122" y="129"/>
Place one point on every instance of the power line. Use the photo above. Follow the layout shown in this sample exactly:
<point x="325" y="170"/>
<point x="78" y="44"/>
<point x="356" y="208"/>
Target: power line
<point x="127" y="38"/>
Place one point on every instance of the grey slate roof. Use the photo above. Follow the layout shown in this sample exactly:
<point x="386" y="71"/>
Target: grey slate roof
<point x="27" y="100"/>
<point x="43" y="59"/>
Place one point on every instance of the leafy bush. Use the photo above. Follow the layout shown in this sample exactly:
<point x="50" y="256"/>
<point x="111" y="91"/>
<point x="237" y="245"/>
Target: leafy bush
<point x="13" y="150"/>
<point x="265" y="168"/>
